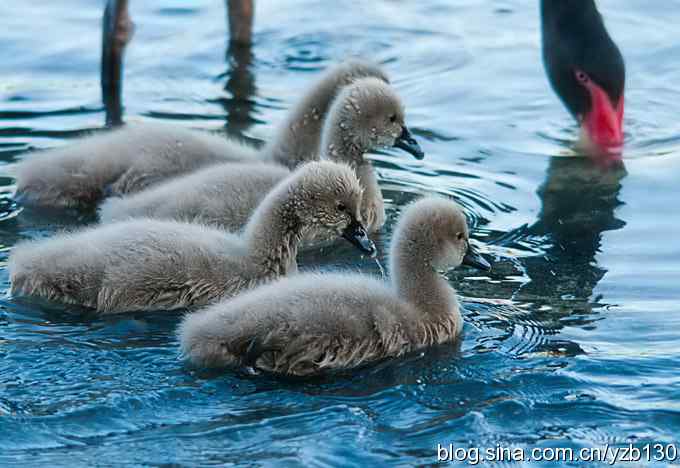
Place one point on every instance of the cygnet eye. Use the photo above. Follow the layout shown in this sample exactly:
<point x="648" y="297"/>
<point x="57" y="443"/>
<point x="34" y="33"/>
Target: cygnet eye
<point x="393" y="118"/>
<point x="460" y="236"/>
<point x="341" y="207"/>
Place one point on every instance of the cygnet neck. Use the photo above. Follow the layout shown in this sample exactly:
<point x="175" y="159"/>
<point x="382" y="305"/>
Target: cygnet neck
<point x="274" y="232"/>
<point x="339" y="140"/>
<point x="414" y="276"/>
<point x="299" y="137"/>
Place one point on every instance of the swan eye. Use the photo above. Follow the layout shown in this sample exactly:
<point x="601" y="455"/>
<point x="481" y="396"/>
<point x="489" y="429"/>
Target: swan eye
<point x="341" y="207"/>
<point x="393" y="118"/>
<point x="460" y="236"/>
<point x="582" y="77"/>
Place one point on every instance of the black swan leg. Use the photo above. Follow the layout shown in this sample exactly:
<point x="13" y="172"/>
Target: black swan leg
<point x="117" y="32"/>
<point x="240" y="14"/>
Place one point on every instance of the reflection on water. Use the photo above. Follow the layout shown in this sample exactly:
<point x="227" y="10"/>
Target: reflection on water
<point x="570" y="341"/>
<point x="239" y="106"/>
<point x="578" y="203"/>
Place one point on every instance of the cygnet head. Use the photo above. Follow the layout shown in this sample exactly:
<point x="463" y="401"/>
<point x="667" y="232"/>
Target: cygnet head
<point x="367" y="114"/>
<point x="327" y="197"/>
<point x="436" y="229"/>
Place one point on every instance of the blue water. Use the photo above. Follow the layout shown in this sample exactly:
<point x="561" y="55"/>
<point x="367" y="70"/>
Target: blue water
<point x="571" y="340"/>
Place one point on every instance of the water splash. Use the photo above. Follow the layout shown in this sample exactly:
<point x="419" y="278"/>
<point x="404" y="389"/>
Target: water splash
<point x="383" y="275"/>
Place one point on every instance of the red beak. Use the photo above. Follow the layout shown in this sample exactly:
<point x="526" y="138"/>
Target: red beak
<point x="603" y="126"/>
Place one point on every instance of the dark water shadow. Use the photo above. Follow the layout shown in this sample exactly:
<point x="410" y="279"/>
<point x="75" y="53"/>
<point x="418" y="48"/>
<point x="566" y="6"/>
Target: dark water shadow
<point x="85" y="326"/>
<point x="368" y="379"/>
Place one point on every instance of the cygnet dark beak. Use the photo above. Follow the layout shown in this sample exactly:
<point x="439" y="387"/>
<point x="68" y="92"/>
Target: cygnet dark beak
<point x="355" y="233"/>
<point x="409" y="144"/>
<point x="474" y="259"/>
